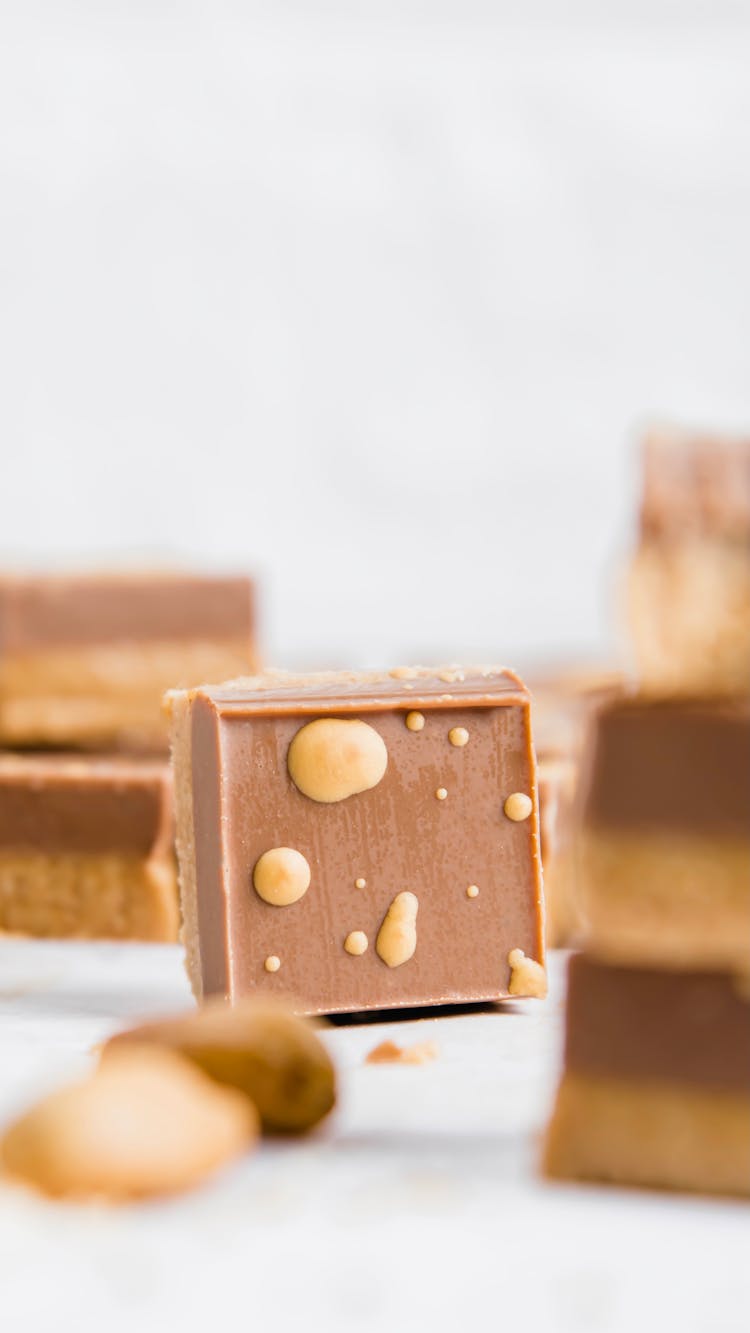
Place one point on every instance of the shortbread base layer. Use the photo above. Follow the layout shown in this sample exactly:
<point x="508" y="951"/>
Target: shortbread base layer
<point x="689" y="604"/>
<point x="564" y="920"/>
<point x="674" y="900"/>
<point x="106" y="696"/>
<point x="657" y="1135"/>
<point x="83" y="896"/>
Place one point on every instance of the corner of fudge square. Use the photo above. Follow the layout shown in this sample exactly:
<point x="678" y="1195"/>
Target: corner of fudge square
<point x="360" y="840"/>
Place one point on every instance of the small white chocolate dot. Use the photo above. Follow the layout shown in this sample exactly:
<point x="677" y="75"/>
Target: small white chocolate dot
<point x="272" y="963"/>
<point x="458" y="736"/>
<point x="518" y="806"/>
<point x="414" y="721"/>
<point x="403" y="673"/>
<point x="356" y="943"/>
<point x="360" y="883"/>
<point x="472" y="891"/>
<point x="441" y="793"/>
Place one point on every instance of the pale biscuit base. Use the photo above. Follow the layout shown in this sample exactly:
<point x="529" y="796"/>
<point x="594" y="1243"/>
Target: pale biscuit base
<point x="564" y="921"/>
<point x="88" y="896"/>
<point x="675" y="1136"/>
<point x="689" y="604"/>
<point x="106" y="695"/>
<point x="675" y="900"/>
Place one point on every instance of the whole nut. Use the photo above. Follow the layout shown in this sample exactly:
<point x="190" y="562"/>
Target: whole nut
<point x="146" y="1122"/>
<point x="258" y="1047"/>
<point x="333" y="758"/>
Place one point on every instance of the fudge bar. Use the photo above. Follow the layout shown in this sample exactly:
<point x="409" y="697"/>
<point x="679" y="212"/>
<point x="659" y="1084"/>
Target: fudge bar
<point x="664" y="854"/>
<point x="85" y="660"/>
<point x="656" y="1083"/>
<point x="563" y="701"/>
<point x="360" y="841"/>
<point x="556" y="780"/>
<point x="689" y="588"/>
<point x="86" y="847"/>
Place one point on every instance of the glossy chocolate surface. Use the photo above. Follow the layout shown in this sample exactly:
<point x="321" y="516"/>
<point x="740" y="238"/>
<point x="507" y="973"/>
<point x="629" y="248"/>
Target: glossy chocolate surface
<point x="397" y="836"/>
<point x="634" y="1023"/>
<point x="670" y="764"/>
<point x="43" y="612"/>
<point x="60" y="803"/>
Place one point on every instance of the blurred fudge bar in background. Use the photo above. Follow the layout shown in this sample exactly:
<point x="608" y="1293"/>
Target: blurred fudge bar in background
<point x="563" y="702"/>
<point x="86" y="847"/>
<point x="556" y="780"/>
<point x="689" y="587"/>
<point x="663" y="857"/>
<point x="361" y="841"/>
<point x="656" y="1083"/>
<point x="85" y="659"/>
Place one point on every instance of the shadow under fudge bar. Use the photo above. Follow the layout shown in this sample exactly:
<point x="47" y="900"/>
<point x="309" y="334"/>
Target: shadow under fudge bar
<point x="85" y="659"/>
<point x="361" y="841"/>
<point x="689" y="586"/>
<point x="656" y="1083"/>
<point x="664" y="850"/>
<point x="86" y="848"/>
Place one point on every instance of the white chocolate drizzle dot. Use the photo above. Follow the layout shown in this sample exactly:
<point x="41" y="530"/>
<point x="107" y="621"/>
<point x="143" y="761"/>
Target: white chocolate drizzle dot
<point x="518" y="806"/>
<point x="458" y="736"/>
<point x="356" y="943"/>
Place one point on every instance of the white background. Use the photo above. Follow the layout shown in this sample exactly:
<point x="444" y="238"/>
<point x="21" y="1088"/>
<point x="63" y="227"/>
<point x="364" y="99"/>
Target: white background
<point x="369" y="297"/>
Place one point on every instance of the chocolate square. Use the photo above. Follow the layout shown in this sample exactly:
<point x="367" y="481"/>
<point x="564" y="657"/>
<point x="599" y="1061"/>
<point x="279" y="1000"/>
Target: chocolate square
<point x="396" y="806"/>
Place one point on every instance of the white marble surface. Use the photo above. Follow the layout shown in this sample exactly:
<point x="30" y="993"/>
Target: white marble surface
<point x="417" y="1208"/>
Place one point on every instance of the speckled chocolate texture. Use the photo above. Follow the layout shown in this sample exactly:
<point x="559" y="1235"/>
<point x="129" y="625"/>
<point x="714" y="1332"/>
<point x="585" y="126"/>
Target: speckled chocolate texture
<point x="402" y="836"/>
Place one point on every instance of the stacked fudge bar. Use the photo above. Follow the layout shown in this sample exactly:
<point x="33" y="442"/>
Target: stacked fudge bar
<point x="563" y="702"/>
<point x="656" y="1084"/>
<point x="86" y="825"/>
<point x="360" y="841"/>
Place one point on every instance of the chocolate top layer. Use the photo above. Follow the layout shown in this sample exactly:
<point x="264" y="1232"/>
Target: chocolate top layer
<point x="398" y="835"/>
<point x="695" y="484"/>
<point x="61" y="803"/>
<point x="38" y="612"/>
<point x="670" y="764"/>
<point x="280" y="692"/>
<point x="690" y="1027"/>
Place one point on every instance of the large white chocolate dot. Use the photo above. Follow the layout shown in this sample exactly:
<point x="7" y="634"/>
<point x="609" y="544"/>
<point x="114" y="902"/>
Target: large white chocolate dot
<point x="281" y="876"/>
<point x="333" y="758"/>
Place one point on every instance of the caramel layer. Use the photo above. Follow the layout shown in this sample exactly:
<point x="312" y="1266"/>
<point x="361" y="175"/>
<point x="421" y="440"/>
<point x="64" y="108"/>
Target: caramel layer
<point x="84" y="895"/>
<point x="654" y="1135"/>
<point x="671" y="899"/>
